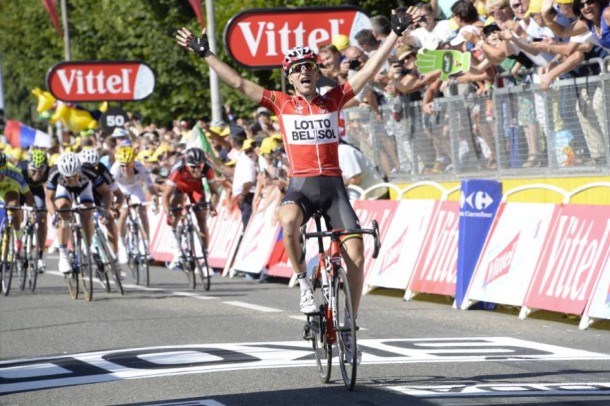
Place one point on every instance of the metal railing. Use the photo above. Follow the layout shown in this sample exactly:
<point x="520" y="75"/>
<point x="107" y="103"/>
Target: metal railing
<point x="518" y="130"/>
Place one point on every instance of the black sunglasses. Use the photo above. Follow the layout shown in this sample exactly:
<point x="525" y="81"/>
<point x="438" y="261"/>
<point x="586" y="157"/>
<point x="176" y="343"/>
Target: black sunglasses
<point x="584" y="3"/>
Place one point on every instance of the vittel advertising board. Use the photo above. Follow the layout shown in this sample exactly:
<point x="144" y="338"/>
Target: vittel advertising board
<point x="258" y="38"/>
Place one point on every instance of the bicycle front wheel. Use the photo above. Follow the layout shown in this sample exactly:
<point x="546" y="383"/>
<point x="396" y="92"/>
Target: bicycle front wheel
<point x="323" y="350"/>
<point x="345" y="326"/>
<point x="201" y="262"/>
<point x="7" y="260"/>
<point x="33" y="255"/>
<point x="86" y="268"/>
<point x="72" y="279"/>
<point x="109" y="261"/>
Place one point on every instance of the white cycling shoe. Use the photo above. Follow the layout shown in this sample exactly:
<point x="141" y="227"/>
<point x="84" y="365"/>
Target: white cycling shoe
<point x="308" y="304"/>
<point x="64" y="264"/>
<point x="41" y="266"/>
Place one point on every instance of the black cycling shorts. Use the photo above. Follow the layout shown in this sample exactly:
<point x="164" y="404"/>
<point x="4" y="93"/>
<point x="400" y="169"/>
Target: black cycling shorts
<point x="326" y="194"/>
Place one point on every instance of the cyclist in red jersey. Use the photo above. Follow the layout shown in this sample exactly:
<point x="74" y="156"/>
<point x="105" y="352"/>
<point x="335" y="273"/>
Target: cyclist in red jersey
<point x="309" y="124"/>
<point x="185" y="178"/>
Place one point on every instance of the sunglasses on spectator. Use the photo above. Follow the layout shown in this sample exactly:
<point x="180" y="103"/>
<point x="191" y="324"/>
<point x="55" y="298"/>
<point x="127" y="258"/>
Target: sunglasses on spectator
<point x="516" y="5"/>
<point x="586" y="2"/>
<point x="299" y="67"/>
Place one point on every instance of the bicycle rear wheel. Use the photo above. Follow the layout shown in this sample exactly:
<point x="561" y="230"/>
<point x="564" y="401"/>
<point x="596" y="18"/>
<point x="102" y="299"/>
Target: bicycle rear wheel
<point x="7" y="261"/>
<point x="323" y="350"/>
<point x="346" y="330"/>
<point x="201" y="262"/>
<point x="108" y="261"/>
<point x="86" y="268"/>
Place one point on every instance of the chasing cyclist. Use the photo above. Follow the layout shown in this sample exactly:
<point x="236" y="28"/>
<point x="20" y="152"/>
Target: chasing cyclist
<point x="90" y="159"/>
<point x="130" y="175"/>
<point x="35" y="171"/>
<point x="69" y="180"/>
<point x="309" y="124"/>
<point x="185" y="178"/>
<point x="12" y="188"/>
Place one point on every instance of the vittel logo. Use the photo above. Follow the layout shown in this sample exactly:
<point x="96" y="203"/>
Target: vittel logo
<point x="259" y="38"/>
<point x="441" y="257"/>
<point x="500" y="265"/>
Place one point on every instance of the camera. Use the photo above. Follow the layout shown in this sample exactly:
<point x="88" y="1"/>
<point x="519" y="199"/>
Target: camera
<point x="406" y="71"/>
<point x="354" y="64"/>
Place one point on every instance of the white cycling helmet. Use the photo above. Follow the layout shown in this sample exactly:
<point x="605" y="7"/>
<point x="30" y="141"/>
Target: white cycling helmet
<point x="89" y="155"/>
<point x="68" y="164"/>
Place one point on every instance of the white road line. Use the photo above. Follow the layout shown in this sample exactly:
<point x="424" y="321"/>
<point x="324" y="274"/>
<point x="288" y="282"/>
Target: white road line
<point x="254" y="307"/>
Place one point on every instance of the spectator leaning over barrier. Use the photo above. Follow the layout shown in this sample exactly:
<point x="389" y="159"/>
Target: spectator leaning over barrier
<point x="311" y="139"/>
<point x="358" y="171"/>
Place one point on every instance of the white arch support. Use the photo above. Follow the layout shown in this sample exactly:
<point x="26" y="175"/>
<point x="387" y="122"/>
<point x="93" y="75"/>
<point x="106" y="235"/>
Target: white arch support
<point x="591" y="185"/>
<point x="423" y="183"/>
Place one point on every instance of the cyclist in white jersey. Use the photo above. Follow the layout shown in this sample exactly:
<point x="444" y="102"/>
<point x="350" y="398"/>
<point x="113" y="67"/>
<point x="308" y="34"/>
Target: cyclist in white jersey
<point x="132" y="176"/>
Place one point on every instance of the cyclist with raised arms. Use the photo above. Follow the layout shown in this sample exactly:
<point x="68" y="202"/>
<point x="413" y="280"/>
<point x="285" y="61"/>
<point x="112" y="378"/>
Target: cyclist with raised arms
<point x="90" y="158"/>
<point x="309" y="125"/>
<point x="131" y="175"/>
<point x="35" y="171"/>
<point x="69" y="181"/>
<point x="185" y="178"/>
<point x="12" y="188"/>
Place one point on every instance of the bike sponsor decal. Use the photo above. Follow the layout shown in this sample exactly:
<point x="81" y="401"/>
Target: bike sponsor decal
<point x="506" y="389"/>
<point x="105" y="366"/>
<point x="101" y="81"/>
<point x="258" y="38"/>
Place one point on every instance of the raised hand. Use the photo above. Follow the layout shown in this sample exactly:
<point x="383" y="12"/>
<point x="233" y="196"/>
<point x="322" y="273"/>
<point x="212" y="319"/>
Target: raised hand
<point x="199" y="45"/>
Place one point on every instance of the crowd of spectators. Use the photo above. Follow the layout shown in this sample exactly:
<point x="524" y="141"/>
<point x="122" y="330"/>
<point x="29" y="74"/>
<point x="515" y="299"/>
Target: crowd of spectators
<point x="531" y="42"/>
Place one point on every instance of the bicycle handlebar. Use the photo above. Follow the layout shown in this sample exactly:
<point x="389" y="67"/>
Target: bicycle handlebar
<point x="335" y="233"/>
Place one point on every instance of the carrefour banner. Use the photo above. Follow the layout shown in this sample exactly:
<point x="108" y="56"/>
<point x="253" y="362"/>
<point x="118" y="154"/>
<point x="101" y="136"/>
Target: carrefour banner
<point x="479" y="203"/>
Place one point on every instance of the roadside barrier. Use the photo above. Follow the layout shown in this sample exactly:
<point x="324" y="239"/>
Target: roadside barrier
<point x="536" y="256"/>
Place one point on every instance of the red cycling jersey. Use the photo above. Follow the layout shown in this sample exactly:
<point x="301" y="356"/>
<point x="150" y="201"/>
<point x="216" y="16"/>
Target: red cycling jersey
<point x="310" y="130"/>
<point x="188" y="184"/>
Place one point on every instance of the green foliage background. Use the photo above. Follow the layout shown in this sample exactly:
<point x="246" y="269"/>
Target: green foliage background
<point x="130" y="30"/>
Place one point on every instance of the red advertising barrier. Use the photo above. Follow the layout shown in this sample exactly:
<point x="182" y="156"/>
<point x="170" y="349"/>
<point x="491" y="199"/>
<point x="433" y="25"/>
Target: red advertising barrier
<point x="224" y="229"/>
<point x="574" y="251"/>
<point x="436" y="267"/>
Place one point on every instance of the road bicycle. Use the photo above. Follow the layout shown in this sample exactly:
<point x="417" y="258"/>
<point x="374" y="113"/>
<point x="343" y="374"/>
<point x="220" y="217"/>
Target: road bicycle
<point x="31" y="247"/>
<point x="138" y="253"/>
<point x="10" y="261"/>
<point x="333" y="324"/>
<point x="79" y="254"/>
<point x="103" y="257"/>
<point x="193" y="257"/>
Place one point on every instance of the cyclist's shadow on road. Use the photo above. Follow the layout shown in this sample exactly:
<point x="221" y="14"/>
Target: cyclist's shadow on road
<point x="334" y="394"/>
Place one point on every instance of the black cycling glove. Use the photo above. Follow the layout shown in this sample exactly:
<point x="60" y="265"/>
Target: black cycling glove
<point x="200" y="45"/>
<point x="400" y="22"/>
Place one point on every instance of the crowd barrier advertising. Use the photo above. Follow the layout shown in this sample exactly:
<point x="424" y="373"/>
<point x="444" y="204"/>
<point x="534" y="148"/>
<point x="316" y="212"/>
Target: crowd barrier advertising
<point x="479" y="202"/>
<point x="258" y="241"/>
<point x="599" y="305"/>
<point x="367" y="211"/>
<point x="505" y="266"/>
<point x="224" y="229"/>
<point x="436" y="267"/>
<point x="401" y="244"/>
<point x="573" y="252"/>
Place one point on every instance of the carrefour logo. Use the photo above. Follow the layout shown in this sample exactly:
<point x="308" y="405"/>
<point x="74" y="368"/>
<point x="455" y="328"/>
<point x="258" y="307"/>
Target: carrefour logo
<point x="479" y="201"/>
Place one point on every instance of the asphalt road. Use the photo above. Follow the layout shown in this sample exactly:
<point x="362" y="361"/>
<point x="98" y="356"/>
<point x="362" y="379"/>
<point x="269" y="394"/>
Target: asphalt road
<point x="240" y="344"/>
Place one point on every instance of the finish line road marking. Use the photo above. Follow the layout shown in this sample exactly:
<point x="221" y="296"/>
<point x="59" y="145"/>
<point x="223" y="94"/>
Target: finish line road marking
<point x="506" y="389"/>
<point x="102" y="366"/>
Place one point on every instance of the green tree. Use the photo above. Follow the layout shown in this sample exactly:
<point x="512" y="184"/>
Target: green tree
<point x="129" y="30"/>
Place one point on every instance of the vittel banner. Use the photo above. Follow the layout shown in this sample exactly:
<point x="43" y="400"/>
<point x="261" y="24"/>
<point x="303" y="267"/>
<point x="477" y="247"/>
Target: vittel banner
<point x="101" y="81"/>
<point x="259" y="38"/>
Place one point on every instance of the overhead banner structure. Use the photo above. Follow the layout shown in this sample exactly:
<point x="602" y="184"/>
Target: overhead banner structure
<point x="479" y="202"/>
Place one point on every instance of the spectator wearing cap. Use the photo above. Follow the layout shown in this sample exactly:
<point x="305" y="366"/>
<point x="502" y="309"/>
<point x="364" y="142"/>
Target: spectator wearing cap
<point x="341" y="42"/>
<point x="244" y="175"/>
<point x="263" y="116"/>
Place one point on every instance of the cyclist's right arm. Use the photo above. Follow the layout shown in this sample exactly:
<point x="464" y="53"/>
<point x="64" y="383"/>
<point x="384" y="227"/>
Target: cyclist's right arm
<point x="226" y="73"/>
<point x="168" y="191"/>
